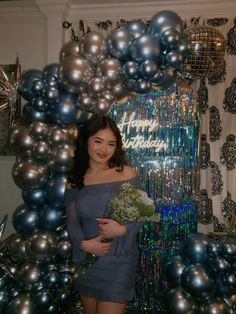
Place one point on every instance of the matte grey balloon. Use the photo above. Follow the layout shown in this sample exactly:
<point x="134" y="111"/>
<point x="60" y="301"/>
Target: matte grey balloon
<point x="71" y="48"/>
<point x="93" y="47"/>
<point x="136" y="28"/>
<point x="145" y="47"/>
<point x="119" y="44"/>
<point x="74" y="73"/>
<point x="164" y="20"/>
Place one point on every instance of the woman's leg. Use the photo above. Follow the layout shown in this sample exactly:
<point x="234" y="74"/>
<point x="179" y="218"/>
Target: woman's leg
<point x="110" y="308"/>
<point x="89" y="305"/>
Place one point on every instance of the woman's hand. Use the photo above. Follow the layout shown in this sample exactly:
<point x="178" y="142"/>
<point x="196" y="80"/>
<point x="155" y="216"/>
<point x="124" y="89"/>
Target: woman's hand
<point x="109" y="228"/>
<point x="95" y="246"/>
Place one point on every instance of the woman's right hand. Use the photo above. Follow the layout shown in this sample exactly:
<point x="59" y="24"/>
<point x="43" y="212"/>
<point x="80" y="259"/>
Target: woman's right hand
<point x="95" y="246"/>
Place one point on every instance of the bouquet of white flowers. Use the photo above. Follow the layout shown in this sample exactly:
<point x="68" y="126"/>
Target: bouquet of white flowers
<point x="130" y="205"/>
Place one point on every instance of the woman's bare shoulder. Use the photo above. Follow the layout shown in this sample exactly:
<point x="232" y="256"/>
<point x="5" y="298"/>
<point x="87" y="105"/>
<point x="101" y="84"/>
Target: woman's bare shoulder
<point x="129" y="172"/>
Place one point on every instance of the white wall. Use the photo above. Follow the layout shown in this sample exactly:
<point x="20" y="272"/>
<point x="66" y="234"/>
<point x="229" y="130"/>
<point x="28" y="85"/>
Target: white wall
<point x="33" y="29"/>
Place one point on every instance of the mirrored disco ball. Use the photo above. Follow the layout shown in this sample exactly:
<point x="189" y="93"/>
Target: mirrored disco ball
<point x="206" y="54"/>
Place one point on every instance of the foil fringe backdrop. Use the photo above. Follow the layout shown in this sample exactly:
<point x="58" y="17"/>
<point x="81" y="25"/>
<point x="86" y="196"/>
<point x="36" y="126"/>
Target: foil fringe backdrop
<point x="170" y="177"/>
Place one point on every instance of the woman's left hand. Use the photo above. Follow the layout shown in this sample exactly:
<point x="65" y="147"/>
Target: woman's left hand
<point x="109" y="228"/>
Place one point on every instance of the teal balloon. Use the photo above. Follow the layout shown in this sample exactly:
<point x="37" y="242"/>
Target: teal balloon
<point x="163" y="21"/>
<point x="25" y="220"/>
<point x="198" y="281"/>
<point x="136" y="28"/>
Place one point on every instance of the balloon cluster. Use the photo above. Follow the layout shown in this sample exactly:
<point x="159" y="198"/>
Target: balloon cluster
<point x="203" y="278"/>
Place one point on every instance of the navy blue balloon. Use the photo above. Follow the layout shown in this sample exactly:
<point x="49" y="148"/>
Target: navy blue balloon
<point x="215" y="305"/>
<point x="163" y="21"/>
<point x="219" y="264"/>
<point x="51" y="217"/>
<point x="144" y="48"/>
<point x="56" y="190"/>
<point x="65" y="110"/>
<point x="52" y="280"/>
<point x="29" y="115"/>
<point x="5" y="298"/>
<point x="39" y="104"/>
<point x="25" y="219"/>
<point x="222" y="288"/>
<point x="43" y="298"/>
<point x="213" y="248"/>
<point x="50" y="70"/>
<point x="26" y="82"/>
<point x="195" y="247"/>
<point x="35" y="198"/>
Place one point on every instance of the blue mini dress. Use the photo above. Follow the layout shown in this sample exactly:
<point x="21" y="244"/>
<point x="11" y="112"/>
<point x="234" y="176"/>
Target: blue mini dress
<point x="112" y="276"/>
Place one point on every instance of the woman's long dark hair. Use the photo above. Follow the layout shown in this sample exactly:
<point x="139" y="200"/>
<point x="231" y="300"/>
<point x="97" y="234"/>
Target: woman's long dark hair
<point x="81" y="157"/>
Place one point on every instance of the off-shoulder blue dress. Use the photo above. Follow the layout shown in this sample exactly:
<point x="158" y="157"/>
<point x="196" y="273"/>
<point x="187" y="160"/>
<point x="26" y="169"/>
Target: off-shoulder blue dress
<point x="112" y="277"/>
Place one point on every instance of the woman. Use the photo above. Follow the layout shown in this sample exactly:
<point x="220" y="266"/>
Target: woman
<point x="99" y="170"/>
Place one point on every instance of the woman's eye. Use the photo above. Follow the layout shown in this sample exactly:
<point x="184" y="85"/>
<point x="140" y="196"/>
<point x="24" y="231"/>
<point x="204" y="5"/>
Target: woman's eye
<point x="97" y="141"/>
<point x="112" y="145"/>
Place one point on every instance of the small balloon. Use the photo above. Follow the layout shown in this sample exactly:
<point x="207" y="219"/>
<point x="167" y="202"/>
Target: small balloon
<point x="131" y="69"/>
<point x="170" y="39"/>
<point x="136" y="28"/>
<point x="102" y="106"/>
<point x="148" y="69"/>
<point x="38" y="130"/>
<point x="71" y="48"/>
<point x="28" y="273"/>
<point x="34" y="198"/>
<point x="214" y="306"/>
<point x="26" y="82"/>
<point x="111" y="69"/>
<point x="51" y="217"/>
<point x="30" y="114"/>
<point x="56" y="190"/>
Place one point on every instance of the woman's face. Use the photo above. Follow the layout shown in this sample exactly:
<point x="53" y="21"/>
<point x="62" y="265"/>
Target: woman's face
<point x="102" y="146"/>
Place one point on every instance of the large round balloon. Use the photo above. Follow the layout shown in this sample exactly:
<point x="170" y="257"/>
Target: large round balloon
<point x="163" y="21"/>
<point x="74" y="73"/>
<point x="28" y="273"/>
<point x="144" y="48"/>
<point x="173" y="269"/>
<point x="25" y="220"/>
<point x="56" y="190"/>
<point x="195" y="247"/>
<point x="93" y="47"/>
<point x="51" y="217"/>
<point x="21" y="140"/>
<point x="34" y="198"/>
<point x="64" y="110"/>
<point x="71" y="48"/>
<point x="177" y="301"/>
<point x="29" y="174"/>
<point x="26" y="82"/>
<point x="119" y="44"/>
<point x="197" y="280"/>
<point x="41" y="246"/>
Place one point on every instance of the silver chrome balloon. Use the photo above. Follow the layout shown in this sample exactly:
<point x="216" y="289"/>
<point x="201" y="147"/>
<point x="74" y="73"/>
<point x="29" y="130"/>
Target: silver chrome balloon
<point x="93" y="47"/>
<point x="136" y="28"/>
<point x="111" y="69"/>
<point x="71" y="48"/>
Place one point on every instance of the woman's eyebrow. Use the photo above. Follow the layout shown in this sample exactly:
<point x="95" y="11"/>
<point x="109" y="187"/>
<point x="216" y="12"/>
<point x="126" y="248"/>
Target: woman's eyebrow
<point x="102" y="139"/>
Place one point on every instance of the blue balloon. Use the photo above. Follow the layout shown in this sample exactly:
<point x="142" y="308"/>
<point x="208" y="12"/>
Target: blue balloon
<point x="65" y="110"/>
<point x="197" y="280"/>
<point x="119" y="44"/>
<point x="25" y="220"/>
<point x="34" y="198"/>
<point x="195" y="247"/>
<point x="26" y="82"/>
<point x="56" y="190"/>
<point x="136" y="28"/>
<point x="145" y="47"/>
<point x="51" y="217"/>
<point x="29" y="114"/>
<point x="163" y="21"/>
<point x="50" y="71"/>
<point x="39" y="104"/>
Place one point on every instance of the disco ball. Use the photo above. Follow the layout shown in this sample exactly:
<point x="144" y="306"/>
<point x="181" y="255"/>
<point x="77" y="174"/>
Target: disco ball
<point x="206" y="52"/>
